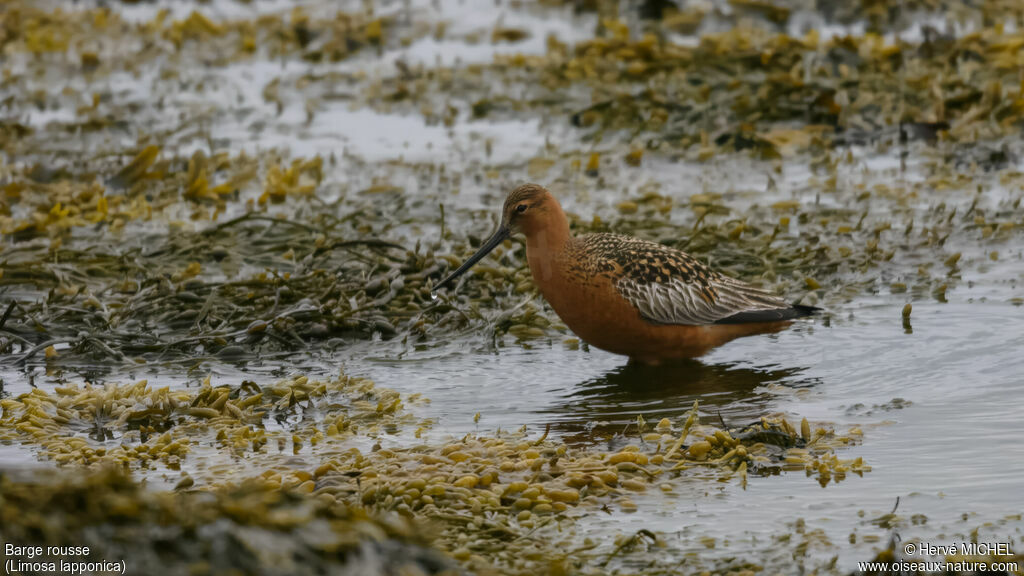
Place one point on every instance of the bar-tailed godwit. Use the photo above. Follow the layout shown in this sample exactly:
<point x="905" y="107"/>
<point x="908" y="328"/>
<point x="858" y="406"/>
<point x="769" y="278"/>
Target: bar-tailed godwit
<point x="631" y="296"/>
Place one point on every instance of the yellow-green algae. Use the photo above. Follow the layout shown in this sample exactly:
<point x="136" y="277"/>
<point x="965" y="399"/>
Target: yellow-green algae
<point x="28" y="27"/>
<point x="138" y="253"/>
<point x="261" y="282"/>
<point x="749" y="88"/>
<point x="160" y="425"/>
<point x="507" y="502"/>
<point x="248" y="527"/>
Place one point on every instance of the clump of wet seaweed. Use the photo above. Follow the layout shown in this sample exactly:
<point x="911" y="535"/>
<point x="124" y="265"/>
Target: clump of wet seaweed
<point x="28" y="28"/>
<point x="491" y="498"/>
<point x="745" y="88"/>
<point x="249" y="527"/>
<point x="877" y="16"/>
<point x="136" y="425"/>
<point x="287" y="273"/>
<point x="220" y="290"/>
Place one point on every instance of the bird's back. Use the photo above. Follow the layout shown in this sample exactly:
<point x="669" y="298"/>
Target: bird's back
<point x="668" y="286"/>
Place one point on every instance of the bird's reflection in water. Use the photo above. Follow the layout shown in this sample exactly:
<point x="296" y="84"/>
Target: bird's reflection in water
<point x="598" y="409"/>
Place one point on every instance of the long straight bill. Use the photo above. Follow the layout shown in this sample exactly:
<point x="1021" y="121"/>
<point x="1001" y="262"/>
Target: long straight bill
<point x="491" y="243"/>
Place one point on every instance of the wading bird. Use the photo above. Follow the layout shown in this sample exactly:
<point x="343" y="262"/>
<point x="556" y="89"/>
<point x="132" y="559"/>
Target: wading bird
<point x="630" y="296"/>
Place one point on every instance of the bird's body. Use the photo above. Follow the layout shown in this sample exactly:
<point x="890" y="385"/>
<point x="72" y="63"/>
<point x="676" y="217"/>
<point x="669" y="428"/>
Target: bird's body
<point x="646" y="300"/>
<point x="631" y="296"/>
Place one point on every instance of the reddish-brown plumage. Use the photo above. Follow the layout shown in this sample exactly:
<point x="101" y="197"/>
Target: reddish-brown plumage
<point x="631" y="297"/>
<point x="604" y="319"/>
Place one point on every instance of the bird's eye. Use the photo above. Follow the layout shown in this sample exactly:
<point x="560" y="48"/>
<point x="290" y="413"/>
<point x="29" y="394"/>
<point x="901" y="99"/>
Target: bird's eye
<point x="521" y="208"/>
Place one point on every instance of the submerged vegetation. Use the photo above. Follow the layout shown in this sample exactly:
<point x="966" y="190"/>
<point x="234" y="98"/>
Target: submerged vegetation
<point x="182" y="192"/>
<point x="502" y="503"/>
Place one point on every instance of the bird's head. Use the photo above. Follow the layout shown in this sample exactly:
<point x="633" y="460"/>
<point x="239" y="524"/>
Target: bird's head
<point x="527" y="209"/>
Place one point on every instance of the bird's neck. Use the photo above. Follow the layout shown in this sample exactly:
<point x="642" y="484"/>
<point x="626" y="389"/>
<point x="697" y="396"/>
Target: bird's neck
<point x="545" y="243"/>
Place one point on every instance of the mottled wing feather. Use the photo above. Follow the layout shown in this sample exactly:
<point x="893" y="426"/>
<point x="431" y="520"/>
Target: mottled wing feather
<point x="668" y="286"/>
<point x="675" y="302"/>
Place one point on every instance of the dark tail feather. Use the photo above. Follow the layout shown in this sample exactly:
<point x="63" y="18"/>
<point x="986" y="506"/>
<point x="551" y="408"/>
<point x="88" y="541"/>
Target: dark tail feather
<point x="777" y="315"/>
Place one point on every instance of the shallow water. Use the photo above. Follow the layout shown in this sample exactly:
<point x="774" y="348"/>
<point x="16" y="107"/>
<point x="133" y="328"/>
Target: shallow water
<point x="939" y="408"/>
<point x="938" y="403"/>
